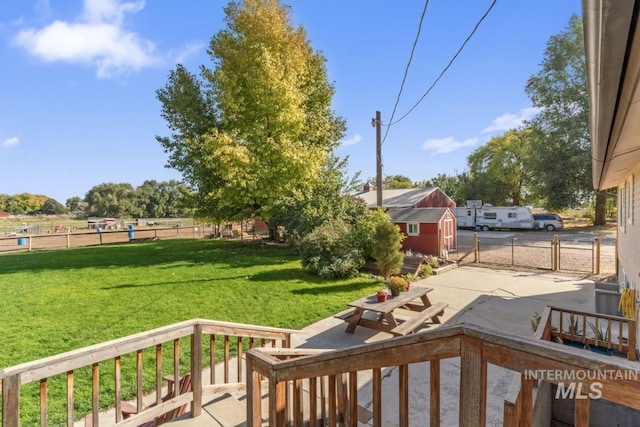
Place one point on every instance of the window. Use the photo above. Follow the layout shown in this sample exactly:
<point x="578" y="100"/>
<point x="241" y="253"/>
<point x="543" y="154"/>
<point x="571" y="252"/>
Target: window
<point x="413" y="229"/>
<point x="629" y="200"/>
<point x="511" y="215"/>
<point x="490" y="215"/>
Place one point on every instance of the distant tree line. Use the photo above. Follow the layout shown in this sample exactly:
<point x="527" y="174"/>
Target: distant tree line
<point x="152" y="199"/>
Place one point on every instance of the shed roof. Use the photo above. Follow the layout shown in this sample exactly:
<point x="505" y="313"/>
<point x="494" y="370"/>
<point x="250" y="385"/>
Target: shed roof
<point x="402" y="198"/>
<point x="424" y="215"/>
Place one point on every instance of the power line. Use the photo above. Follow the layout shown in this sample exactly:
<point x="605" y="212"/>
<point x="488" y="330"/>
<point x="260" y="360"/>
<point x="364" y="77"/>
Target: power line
<point x="391" y="123"/>
<point x="406" y="70"/>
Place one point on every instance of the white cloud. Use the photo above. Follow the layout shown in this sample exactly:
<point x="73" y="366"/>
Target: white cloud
<point x="511" y="121"/>
<point x="447" y="145"/>
<point x="98" y="39"/>
<point x="352" y="141"/>
<point x="189" y="50"/>
<point x="98" y="11"/>
<point x="11" y="142"/>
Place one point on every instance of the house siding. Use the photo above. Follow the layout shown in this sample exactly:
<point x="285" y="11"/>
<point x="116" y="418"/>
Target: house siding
<point x="629" y="239"/>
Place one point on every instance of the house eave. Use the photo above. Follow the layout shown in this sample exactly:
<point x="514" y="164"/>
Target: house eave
<point x="609" y="32"/>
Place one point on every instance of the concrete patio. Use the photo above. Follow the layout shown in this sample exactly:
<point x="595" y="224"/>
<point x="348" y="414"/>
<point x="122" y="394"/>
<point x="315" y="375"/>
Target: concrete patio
<point x="497" y="299"/>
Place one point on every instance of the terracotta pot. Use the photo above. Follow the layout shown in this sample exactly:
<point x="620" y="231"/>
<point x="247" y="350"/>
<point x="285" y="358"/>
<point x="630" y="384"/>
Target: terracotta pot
<point x="382" y="297"/>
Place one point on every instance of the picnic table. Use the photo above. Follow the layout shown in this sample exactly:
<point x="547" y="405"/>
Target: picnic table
<point x="415" y="300"/>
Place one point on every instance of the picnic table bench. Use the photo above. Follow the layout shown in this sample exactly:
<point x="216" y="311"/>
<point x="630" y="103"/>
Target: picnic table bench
<point x="415" y="300"/>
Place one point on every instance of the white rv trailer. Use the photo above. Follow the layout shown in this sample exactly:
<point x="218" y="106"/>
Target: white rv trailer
<point x="486" y="217"/>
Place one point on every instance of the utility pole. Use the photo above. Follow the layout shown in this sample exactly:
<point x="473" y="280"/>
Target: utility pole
<point x="378" y="124"/>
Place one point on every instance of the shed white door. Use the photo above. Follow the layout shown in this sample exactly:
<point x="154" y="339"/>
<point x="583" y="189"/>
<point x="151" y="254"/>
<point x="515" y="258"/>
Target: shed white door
<point x="447" y="234"/>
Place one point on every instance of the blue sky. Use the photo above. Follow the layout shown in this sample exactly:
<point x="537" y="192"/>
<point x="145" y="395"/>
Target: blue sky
<point x="78" y="81"/>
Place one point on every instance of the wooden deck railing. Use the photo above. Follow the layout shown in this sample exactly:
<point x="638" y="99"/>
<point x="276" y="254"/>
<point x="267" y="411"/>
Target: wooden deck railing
<point x="578" y="329"/>
<point x="330" y="379"/>
<point x="614" y="335"/>
<point x="230" y="334"/>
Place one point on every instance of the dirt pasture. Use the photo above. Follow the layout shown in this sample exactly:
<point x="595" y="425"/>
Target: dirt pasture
<point x="93" y="238"/>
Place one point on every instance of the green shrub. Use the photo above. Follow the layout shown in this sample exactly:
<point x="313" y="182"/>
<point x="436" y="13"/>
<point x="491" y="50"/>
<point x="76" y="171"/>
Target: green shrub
<point x="331" y="251"/>
<point x="408" y="277"/>
<point x="387" y="242"/>
<point x="432" y="261"/>
<point x="365" y="228"/>
<point x="426" y="271"/>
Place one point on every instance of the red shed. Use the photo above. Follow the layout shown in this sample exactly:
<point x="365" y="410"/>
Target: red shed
<point x="4" y="214"/>
<point x="430" y="231"/>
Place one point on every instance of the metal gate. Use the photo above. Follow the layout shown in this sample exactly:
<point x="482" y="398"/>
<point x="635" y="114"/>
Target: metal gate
<point x="535" y="254"/>
<point x="576" y="255"/>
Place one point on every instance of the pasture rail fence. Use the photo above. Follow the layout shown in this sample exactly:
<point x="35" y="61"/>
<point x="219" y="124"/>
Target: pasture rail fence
<point x="94" y="238"/>
<point x="79" y="238"/>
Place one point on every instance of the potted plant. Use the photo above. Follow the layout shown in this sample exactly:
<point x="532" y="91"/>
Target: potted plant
<point x="601" y="336"/>
<point x="409" y="278"/>
<point x="382" y="295"/>
<point x="574" y="330"/>
<point x="396" y="284"/>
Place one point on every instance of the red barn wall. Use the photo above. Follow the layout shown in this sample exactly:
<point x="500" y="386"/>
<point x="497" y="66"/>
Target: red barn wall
<point x="437" y="199"/>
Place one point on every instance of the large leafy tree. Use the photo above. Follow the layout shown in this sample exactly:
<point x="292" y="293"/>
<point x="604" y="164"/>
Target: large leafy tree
<point x="161" y="199"/>
<point x="112" y="200"/>
<point x="454" y="186"/>
<point x="53" y="207"/>
<point x="259" y="125"/>
<point x="560" y="141"/>
<point x="302" y="212"/>
<point x="498" y="169"/>
<point x="23" y="203"/>
<point x="75" y="204"/>
<point x="391" y="182"/>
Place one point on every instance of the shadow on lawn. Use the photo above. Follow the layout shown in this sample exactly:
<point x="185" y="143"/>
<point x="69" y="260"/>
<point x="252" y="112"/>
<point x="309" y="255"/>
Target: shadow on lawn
<point x="323" y="289"/>
<point x="232" y="254"/>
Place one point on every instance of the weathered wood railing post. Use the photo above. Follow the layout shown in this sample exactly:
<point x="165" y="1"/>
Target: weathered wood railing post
<point x="196" y="370"/>
<point x="473" y="383"/>
<point x="581" y="414"/>
<point x="597" y="256"/>
<point x="403" y="399"/>
<point x="11" y="401"/>
<point x="476" y="249"/>
<point x="555" y="253"/>
<point x="631" y="343"/>
<point x="277" y="406"/>
<point x="254" y="404"/>
<point x="434" y="377"/>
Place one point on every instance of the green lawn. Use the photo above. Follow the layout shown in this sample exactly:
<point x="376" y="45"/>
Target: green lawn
<point x="56" y="301"/>
<point x="61" y="300"/>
